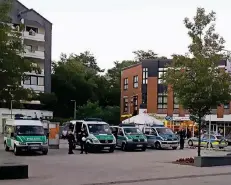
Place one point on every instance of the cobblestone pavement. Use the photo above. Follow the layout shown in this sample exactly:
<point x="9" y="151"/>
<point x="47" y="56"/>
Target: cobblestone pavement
<point x="131" y="168"/>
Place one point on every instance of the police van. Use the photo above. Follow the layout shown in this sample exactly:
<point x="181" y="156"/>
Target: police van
<point x="24" y="134"/>
<point x="99" y="135"/>
<point x="129" y="137"/>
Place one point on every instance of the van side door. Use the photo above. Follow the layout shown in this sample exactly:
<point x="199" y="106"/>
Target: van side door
<point x="120" y="137"/>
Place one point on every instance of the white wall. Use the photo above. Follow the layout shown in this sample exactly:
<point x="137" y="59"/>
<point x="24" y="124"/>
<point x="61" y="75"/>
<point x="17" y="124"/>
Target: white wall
<point x="6" y="113"/>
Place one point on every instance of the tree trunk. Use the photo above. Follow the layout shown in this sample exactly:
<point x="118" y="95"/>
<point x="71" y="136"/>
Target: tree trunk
<point x="199" y="135"/>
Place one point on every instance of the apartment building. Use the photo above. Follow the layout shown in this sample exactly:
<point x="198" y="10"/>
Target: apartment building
<point x="141" y="89"/>
<point x="37" y="38"/>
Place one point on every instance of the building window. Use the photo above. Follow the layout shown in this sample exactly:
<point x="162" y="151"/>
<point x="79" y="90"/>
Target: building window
<point x="41" y="81"/>
<point x="162" y="101"/>
<point x="33" y="80"/>
<point x="145" y="75"/>
<point x="125" y="83"/>
<point x="144" y="98"/>
<point x="161" y="72"/>
<point x="135" y="81"/>
<point x="175" y="103"/>
<point x="125" y="104"/>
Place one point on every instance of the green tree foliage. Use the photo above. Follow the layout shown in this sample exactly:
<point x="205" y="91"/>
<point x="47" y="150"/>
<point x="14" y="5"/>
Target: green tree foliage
<point x="197" y="82"/>
<point x="149" y="54"/>
<point x="12" y="63"/>
<point x="110" y="114"/>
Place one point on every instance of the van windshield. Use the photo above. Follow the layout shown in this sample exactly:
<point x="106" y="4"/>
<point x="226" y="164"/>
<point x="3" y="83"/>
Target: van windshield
<point x="164" y="131"/>
<point x="99" y="129"/>
<point x="29" y="130"/>
<point x="132" y="130"/>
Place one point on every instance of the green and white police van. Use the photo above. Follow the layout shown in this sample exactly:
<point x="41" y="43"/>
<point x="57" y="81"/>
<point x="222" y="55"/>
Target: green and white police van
<point x="25" y="135"/>
<point x="129" y="137"/>
<point x="98" y="132"/>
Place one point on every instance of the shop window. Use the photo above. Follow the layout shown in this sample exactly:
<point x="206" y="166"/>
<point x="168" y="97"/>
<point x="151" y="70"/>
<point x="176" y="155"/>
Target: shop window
<point x="135" y="81"/>
<point x="162" y="101"/>
<point x="145" y="76"/>
<point x="125" y="83"/>
<point x="125" y="104"/>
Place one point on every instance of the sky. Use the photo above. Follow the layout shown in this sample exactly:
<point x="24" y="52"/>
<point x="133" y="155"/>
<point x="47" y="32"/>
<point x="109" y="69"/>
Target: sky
<point x="113" y="29"/>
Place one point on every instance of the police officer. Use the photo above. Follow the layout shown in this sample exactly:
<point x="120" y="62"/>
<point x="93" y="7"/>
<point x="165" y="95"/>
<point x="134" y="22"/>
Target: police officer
<point x="71" y="139"/>
<point x="182" y="135"/>
<point x="82" y="138"/>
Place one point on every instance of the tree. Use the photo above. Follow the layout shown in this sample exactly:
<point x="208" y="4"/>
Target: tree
<point x="195" y="78"/>
<point x="109" y="114"/>
<point x="12" y="63"/>
<point x="143" y="55"/>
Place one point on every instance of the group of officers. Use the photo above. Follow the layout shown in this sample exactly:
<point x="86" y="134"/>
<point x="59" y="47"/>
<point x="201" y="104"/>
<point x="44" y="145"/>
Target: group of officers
<point x="81" y="137"/>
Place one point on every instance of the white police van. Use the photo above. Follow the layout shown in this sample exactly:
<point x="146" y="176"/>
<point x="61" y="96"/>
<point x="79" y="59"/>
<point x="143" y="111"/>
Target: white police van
<point x="25" y="134"/>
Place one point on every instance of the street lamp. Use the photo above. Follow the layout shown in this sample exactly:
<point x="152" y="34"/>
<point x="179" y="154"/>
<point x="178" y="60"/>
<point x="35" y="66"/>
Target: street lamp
<point x="11" y="108"/>
<point x="74" y="109"/>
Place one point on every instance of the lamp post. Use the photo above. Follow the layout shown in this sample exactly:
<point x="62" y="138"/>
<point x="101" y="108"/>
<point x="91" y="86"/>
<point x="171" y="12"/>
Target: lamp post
<point x="11" y="108"/>
<point x="74" y="109"/>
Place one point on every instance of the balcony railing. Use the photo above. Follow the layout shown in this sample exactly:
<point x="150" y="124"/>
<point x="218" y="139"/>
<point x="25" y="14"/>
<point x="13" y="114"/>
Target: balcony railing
<point x="33" y="36"/>
<point x="34" y="54"/>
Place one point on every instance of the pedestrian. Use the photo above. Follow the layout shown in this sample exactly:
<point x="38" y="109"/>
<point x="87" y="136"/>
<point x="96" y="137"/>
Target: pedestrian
<point x="71" y="140"/>
<point x="83" y="144"/>
<point x="182" y="135"/>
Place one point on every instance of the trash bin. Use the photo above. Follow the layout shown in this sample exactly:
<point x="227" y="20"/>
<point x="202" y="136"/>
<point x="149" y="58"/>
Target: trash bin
<point x="53" y="140"/>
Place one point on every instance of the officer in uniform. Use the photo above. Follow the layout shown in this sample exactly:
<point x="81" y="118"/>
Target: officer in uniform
<point x="182" y="135"/>
<point x="71" y="139"/>
<point x="82" y="138"/>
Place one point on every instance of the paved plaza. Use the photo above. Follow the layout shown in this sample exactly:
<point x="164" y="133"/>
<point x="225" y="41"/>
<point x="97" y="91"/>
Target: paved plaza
<point x="131" y="168"/>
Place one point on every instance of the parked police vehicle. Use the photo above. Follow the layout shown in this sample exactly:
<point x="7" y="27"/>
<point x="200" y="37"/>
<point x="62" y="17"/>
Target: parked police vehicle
<point x="99" y="135"/>
<point x="128" y="136"/>
<point x="25" y="134"/>
<point x="161" y="137"/>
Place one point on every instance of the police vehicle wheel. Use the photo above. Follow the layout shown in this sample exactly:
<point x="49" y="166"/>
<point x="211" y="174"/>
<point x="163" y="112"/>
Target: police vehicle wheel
<point x="124" y="147"/>
<point x="112" y="149"/>
<point x="174" y="148"/>
<point x="6" y="147"/>
<point x="45" y="152"/>
<point x="190" y="143"/>
<point x="144" y="148"/>
<point x="16" y="152"/>
<point x="157" y="145"/>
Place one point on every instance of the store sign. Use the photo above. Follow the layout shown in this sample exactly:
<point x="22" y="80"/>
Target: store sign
<point x="186" y="118"/>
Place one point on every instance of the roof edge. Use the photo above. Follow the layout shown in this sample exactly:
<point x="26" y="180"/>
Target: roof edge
<point x="131" y="66"/>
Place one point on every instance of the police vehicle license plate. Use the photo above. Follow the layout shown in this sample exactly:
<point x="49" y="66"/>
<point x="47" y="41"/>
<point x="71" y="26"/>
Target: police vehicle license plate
<point x="106" y="147"/>
<point x="139" y="145"/>
<point x="34" y="148"/>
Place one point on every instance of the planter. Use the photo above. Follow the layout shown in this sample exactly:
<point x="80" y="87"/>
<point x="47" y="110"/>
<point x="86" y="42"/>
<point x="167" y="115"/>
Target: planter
<point x="209" y="161"/>
<point x="13" y="171"/>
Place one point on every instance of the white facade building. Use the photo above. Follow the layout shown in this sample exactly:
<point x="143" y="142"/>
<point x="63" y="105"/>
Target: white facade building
<point x="6" y="113"/>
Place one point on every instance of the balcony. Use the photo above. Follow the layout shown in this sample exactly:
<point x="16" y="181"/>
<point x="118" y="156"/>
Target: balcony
<point x="34" y="54"/>
<point x="33" y="36"/>
<point x="36" y="88"/>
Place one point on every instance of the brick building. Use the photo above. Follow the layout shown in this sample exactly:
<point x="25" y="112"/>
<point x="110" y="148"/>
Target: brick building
<point x="141" y="88"/>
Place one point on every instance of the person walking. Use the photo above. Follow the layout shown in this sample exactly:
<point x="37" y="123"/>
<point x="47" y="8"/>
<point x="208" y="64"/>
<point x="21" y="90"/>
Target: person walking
<point x="71" y="139"/>
<point x="182" y="137"/>
<point x="83" y="144"/>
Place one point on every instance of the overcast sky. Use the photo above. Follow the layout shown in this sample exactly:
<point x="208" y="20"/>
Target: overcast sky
<point x="112" y="29"/>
